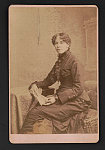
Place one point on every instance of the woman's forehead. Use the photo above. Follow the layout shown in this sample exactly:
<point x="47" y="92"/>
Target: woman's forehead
<point x="58" y="38"/>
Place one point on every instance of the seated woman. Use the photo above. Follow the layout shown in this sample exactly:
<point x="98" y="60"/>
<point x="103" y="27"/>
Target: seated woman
<point x="70" y="98"/>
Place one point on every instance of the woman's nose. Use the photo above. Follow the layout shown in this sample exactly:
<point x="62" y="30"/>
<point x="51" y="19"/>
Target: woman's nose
<point x="58" y="45"/>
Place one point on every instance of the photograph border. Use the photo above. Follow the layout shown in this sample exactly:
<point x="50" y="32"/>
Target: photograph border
<point x="56" y="138"/>
<point x="4" y="74"/>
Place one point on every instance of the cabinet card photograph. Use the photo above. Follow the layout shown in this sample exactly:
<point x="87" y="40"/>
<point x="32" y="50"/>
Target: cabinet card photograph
<point x="53" y="74"/>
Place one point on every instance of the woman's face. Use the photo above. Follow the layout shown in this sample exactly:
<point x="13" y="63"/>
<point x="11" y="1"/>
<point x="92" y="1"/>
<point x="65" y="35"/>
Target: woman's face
<point x="60" y="46"/>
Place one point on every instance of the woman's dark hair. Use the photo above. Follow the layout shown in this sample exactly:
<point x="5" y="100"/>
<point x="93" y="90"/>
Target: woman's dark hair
<point x="65" y="37"/>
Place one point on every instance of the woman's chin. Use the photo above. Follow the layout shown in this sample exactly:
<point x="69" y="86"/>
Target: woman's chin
<point x="60" y="52"/>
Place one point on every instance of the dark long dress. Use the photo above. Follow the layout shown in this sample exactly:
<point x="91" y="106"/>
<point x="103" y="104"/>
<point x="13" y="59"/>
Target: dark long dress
<point x="72" y="97"/>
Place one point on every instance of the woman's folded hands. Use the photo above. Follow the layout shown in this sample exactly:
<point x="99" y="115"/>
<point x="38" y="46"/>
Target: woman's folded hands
<point x="37" y="93"/>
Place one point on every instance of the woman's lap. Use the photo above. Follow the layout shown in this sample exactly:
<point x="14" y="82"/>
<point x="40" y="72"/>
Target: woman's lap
<point x="60" y="112"/>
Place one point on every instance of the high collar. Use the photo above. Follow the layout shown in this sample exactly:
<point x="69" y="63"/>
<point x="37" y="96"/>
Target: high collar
<point x="64" y="55"/>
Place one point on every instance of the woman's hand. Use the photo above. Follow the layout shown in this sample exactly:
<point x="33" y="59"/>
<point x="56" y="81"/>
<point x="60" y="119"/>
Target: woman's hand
<point x="37" y="93"/>
<point x="50" y="100"/>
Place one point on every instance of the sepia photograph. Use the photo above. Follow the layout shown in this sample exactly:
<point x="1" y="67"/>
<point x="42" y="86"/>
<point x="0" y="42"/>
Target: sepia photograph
<point x="53" y="74"/>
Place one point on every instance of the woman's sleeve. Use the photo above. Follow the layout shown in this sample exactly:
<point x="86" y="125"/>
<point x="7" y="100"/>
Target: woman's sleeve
<point x="49" y="80"/>
<point x="77" y="87"/>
